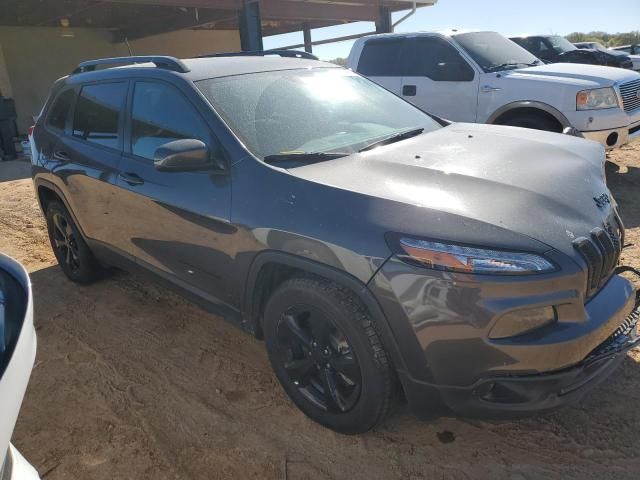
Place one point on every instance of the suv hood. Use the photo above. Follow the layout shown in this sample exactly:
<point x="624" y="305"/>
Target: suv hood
<point x="580" y="74"/>
<point x="538" y="184"/>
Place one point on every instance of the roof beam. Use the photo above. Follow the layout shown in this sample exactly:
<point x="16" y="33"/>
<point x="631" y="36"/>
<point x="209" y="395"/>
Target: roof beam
<point x="186" y="20"/>
<point x="307" y="11"/>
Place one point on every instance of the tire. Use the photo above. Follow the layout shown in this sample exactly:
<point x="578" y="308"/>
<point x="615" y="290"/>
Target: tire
<point x="531" y="120"/>
<point x="325" y="351"/>
<point x="69" y="247"/>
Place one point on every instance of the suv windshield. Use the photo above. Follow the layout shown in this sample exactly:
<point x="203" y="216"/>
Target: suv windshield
<point x="310" y="111"/>
<point x="561" y="44"/>
<point x="493" y="52"/>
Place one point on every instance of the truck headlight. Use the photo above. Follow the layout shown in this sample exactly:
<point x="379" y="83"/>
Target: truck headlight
<point x="596" y="99"/>
<point x="459" y="258"/>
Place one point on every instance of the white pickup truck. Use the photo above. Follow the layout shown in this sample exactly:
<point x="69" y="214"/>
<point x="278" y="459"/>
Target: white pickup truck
<point x="486" y="78"/>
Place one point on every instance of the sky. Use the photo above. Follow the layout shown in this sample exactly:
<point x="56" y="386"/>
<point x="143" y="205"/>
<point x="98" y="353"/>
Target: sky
<point x="509" y="17"/>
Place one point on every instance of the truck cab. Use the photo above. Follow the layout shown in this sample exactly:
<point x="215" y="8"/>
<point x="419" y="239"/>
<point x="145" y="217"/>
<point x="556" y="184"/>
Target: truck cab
<point x="486" y="78"/>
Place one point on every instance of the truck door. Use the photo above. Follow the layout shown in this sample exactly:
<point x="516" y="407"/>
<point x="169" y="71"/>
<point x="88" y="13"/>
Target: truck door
<point x="437" y="79"/>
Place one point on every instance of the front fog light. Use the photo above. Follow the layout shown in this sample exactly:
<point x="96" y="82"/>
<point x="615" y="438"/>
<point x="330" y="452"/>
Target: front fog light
<point x="523" y="321"/>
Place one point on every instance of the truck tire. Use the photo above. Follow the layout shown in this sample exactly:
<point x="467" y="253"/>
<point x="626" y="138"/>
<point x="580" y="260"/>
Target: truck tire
<point x="532" y="120"/>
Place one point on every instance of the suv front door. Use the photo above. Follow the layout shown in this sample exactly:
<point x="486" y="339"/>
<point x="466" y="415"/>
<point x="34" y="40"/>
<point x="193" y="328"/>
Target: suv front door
<point x="437" y="79"/>
<point x="176" y="224"/>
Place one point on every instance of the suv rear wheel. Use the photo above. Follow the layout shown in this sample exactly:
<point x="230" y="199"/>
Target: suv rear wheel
<point x="70" y="249"/>
<point x="326" y="353"/>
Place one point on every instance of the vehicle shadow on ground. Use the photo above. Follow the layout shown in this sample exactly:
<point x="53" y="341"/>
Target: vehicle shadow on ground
<point x="133" y="375"/>
<point x="14" y="170"/>
<point x="624" y="183"/>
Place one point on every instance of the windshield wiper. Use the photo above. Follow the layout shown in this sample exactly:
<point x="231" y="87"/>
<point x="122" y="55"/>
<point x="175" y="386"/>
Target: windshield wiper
<point x="396" y="137"/>
<point x="306" y="157"/>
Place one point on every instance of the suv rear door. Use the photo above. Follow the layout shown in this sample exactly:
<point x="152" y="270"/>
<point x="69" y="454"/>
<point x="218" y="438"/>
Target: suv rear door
<point x="177" y="224"/>
<point x="437" y="79"/>
<point x="87" y="149"/>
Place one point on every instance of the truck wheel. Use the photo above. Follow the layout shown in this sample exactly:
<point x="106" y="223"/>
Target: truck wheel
<point x="532" y="120"/>
<point x="71" y="251"/>
<point x="325" y="351"/>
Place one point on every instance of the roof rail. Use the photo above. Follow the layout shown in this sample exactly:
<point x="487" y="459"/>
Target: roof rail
<point x="160" y="61"/>
<point x="264" y="53"/>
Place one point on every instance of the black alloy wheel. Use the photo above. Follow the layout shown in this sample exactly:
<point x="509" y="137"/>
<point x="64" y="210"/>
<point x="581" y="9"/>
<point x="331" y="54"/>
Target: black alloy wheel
<point x="318" y="359"/>
<point x="64" y="242"/>
<point x="325" y="350"/>
<point x="70" y="248"/>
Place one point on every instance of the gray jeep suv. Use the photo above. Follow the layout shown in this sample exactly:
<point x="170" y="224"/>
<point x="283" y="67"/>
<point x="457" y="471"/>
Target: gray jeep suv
<point x="374" y="247"/>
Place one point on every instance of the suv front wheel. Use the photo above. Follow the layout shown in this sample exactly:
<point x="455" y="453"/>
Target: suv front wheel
<point x="326" y="353"/>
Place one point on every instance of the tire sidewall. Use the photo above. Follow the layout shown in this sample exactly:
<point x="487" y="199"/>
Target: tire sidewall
<point x="366" y="412"/>
<point x="88" y="265"/>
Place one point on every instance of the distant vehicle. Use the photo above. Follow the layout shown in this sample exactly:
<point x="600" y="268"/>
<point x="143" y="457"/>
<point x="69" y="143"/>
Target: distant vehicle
<point x="632" y="49"/>
<point x="17" y="353"/>
<point x="635" y="59"/>
<point x="557" y="49"/>
<point x="484" y="77"/>
<point x="370" y="244"/>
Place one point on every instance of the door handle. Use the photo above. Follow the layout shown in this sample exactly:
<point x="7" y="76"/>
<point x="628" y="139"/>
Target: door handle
<point x="61" y="156"/>
<point x="131" y="178"/>
<point x="489" y="89"/>
<point x="409" y="90"/>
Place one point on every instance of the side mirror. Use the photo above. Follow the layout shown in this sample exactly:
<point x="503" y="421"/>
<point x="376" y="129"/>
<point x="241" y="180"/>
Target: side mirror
<point x="185" y="155"/>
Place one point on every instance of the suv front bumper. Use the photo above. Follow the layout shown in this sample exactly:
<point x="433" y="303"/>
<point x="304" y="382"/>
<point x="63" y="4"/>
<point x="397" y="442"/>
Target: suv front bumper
<point x="518" y="395"/>
<point x="442" y="323"/>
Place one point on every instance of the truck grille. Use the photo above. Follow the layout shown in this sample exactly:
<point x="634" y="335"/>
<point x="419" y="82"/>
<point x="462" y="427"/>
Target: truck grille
<point x="630" y="93"/>
<point x="601" y="252"/>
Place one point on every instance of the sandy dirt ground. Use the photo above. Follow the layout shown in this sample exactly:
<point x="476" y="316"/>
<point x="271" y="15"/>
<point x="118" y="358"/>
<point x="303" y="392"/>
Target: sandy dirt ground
<point x="132" y="382"/>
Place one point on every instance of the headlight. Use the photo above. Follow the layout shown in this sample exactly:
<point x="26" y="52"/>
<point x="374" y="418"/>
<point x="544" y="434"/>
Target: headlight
<point x="458" y="258"/>
<point x="596" y="99"/>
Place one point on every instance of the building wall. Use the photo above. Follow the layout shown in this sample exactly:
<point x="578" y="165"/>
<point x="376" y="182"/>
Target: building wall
<point x="35" y="57"/>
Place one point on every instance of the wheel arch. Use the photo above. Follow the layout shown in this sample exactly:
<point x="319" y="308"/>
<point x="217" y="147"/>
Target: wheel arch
<point x="529" y="106"/>
<point x="46" y="192"/>
<point x="271" y="268"/>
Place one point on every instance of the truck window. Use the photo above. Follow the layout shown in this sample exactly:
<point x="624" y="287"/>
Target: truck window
<point x="436" y="59"/>
<point x="380" y="58"/>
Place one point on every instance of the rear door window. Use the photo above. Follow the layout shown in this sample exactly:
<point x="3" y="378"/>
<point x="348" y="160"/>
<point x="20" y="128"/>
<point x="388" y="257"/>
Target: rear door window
<point x="57" y="117"/>
<point x="161" y="114"/>
<point x="98" y="112"/>
<point x="380" y="58"/>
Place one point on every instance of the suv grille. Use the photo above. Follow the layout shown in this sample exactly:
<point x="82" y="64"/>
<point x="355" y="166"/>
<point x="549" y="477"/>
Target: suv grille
<point x="601" y="252"/>
<point x="630" y="93"/>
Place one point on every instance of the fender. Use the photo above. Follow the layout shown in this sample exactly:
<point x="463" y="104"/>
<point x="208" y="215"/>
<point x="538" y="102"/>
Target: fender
<point x="554" y="112"/>
<point x="42" y="182"/>
<point x="252" y="317"/>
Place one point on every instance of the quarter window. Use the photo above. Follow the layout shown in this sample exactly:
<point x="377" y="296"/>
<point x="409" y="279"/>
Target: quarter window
<point x="60" y="110"/>
<point x="97" y="113"/>
<point x="160" y="115"/>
